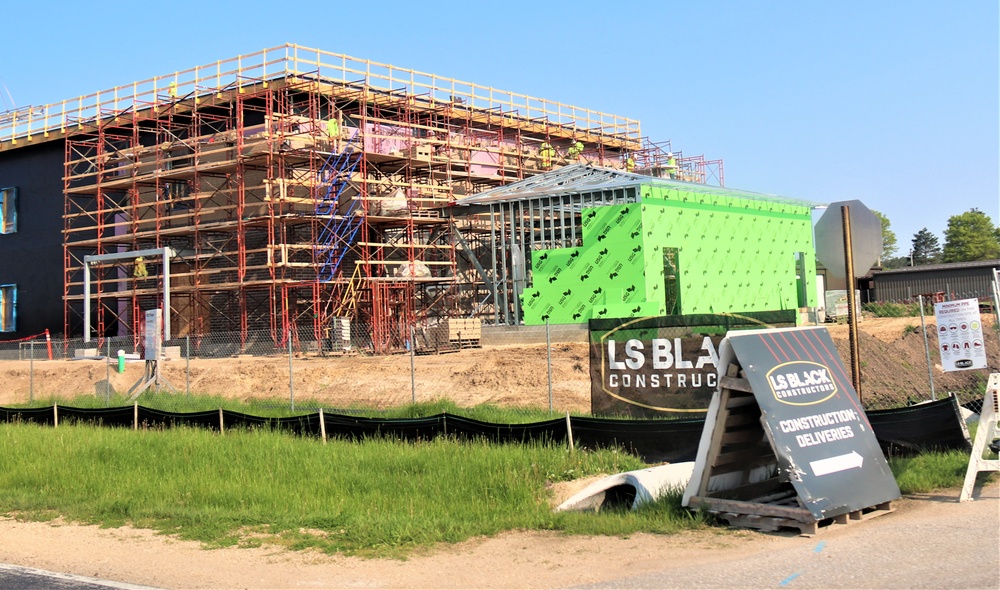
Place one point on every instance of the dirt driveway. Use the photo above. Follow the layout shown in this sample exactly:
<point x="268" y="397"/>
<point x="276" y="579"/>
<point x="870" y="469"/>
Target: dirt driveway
<point x="930" y="541"/>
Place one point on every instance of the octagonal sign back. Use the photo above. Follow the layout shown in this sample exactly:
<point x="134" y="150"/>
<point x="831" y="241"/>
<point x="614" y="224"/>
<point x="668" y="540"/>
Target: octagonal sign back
<point x="866" y="238"/>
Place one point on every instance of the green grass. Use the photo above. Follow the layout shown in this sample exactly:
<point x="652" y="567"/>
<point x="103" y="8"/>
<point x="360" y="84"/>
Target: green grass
<point x="264" y="407"/>
<point x="934" y="470"/>
<point x="380" y="497"/>
<point x="929" y="471"/>
<point x="276" y="408"/>
<point x="885" y="309"/>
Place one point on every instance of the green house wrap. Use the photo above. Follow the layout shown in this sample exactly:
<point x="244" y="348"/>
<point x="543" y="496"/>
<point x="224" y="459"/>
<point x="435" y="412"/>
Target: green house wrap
<point x="677" y="251"/>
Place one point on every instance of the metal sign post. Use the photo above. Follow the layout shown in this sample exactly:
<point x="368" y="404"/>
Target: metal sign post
<point x="848" y="243"/>
<point x="852" y="304"/>
<point x="927" y="348"/>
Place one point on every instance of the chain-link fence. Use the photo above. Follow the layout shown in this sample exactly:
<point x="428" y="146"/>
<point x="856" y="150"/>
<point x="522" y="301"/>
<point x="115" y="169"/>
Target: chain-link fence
<point x="901" y="356"/>
<point x="495" y="365"/>
<point x="523" y="366"/>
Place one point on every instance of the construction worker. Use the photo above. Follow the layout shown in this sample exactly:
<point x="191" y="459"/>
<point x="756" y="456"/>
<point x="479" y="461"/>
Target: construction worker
<point x="545" y="153"/>
<point x="672" y="165"/>
<point x="139" y="269"/>
<point x="575" y="151"/>
<point x="630" y="163"/>
<point x="333" y="132"/>
<point x="168" y="197"/>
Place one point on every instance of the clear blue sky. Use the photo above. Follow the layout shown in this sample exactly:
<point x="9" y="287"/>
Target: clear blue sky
<point x="893" y="103"/>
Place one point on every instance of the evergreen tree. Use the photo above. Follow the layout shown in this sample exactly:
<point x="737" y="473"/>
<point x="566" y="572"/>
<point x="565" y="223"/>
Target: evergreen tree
<point x="970" y="236"/>
<point x="895" y="262"/>
<point x="926" y="249"/>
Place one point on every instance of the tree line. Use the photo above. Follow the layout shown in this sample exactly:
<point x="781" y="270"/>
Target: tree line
<point x="970" y="236"/>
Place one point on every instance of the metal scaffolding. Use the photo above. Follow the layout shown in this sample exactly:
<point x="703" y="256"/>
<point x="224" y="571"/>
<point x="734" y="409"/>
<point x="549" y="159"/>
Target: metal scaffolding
<point x="297" y="187"/>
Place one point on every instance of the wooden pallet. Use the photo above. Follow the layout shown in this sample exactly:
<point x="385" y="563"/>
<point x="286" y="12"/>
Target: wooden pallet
<point x="783" y="513"/>
<point x="750" y="490"/>
<point x="446" y="347"/>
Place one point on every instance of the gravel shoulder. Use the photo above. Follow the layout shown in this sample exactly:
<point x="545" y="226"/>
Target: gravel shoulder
<point x="930" y="541"/>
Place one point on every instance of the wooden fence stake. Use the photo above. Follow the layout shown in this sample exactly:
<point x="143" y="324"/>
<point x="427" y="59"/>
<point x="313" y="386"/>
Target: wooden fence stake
<point x="569" y="431"/>
<point x="222" y="426"/>
<point x="322" y="425"/>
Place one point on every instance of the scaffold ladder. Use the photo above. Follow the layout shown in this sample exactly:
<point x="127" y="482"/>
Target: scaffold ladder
<point x="338" y="230"/>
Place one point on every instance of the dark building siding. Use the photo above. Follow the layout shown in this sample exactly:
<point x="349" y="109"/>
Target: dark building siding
<point x="959" y="283"/>
<point x="32" y="257"/>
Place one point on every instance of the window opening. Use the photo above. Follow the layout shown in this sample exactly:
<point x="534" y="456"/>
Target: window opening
<point x="8" y="308"/>
<point x="8" y="210"/>
<point x="671" y="287"/>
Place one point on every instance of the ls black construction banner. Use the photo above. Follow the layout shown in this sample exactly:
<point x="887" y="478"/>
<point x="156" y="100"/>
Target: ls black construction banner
<point x="820" y="434"/>
<point x="651" y="366"/>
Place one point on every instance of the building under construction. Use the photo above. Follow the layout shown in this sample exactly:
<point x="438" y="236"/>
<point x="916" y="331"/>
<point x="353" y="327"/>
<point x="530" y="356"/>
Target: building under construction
<point x="294" y="187"/>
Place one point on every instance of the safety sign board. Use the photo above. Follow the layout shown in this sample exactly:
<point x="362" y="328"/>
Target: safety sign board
<point x="822" y="442"/>
<point x="648" y="367"/>
<point x="960" y="335"/>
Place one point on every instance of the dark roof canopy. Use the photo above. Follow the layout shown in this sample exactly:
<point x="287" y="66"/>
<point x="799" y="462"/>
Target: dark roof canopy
<point x="943" y="266"/>
<point x="584" y="178"/>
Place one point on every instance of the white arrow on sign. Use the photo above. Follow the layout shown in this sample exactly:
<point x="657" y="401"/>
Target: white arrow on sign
<point x="839" y="463"/>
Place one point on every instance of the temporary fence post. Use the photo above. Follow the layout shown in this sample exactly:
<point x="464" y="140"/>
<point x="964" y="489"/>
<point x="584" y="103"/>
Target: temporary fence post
<point x="927" y="348"/>
<point x="31" y="372"/>
<point x="55" y="415"/>
<point x="322" y="425"/>
<point x="291" y="383"/>
<point x="222" y="425"/>
<point x="107" y="376"/>
<point x="569" y="431"/>
<point x="187" y="365"/>
<point x="413" y="369"/>
<point x="135" y="416"/>
<point x="548" y="359"/>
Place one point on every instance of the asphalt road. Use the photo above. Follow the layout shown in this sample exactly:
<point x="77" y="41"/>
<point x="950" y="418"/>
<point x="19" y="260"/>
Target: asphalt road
<point x="26" y="578"/>
<point x="943" y="545"/>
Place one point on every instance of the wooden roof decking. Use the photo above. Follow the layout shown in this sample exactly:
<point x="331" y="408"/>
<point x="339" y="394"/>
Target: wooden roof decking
<point x="340" y="74"/>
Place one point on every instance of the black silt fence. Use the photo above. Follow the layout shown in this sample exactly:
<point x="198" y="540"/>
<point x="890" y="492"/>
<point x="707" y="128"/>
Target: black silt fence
<point x="904" y="431"/>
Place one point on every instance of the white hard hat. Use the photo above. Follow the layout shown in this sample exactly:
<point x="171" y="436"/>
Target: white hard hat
<point x="670" y="154"/>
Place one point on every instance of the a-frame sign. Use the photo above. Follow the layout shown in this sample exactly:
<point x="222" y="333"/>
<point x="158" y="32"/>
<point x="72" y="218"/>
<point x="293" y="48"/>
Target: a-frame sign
<point x="988" y="431"/>
<point x="786" y="442"/>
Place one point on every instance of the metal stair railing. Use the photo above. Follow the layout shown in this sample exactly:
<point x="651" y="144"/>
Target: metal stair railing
<point x="339" y="230"/>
